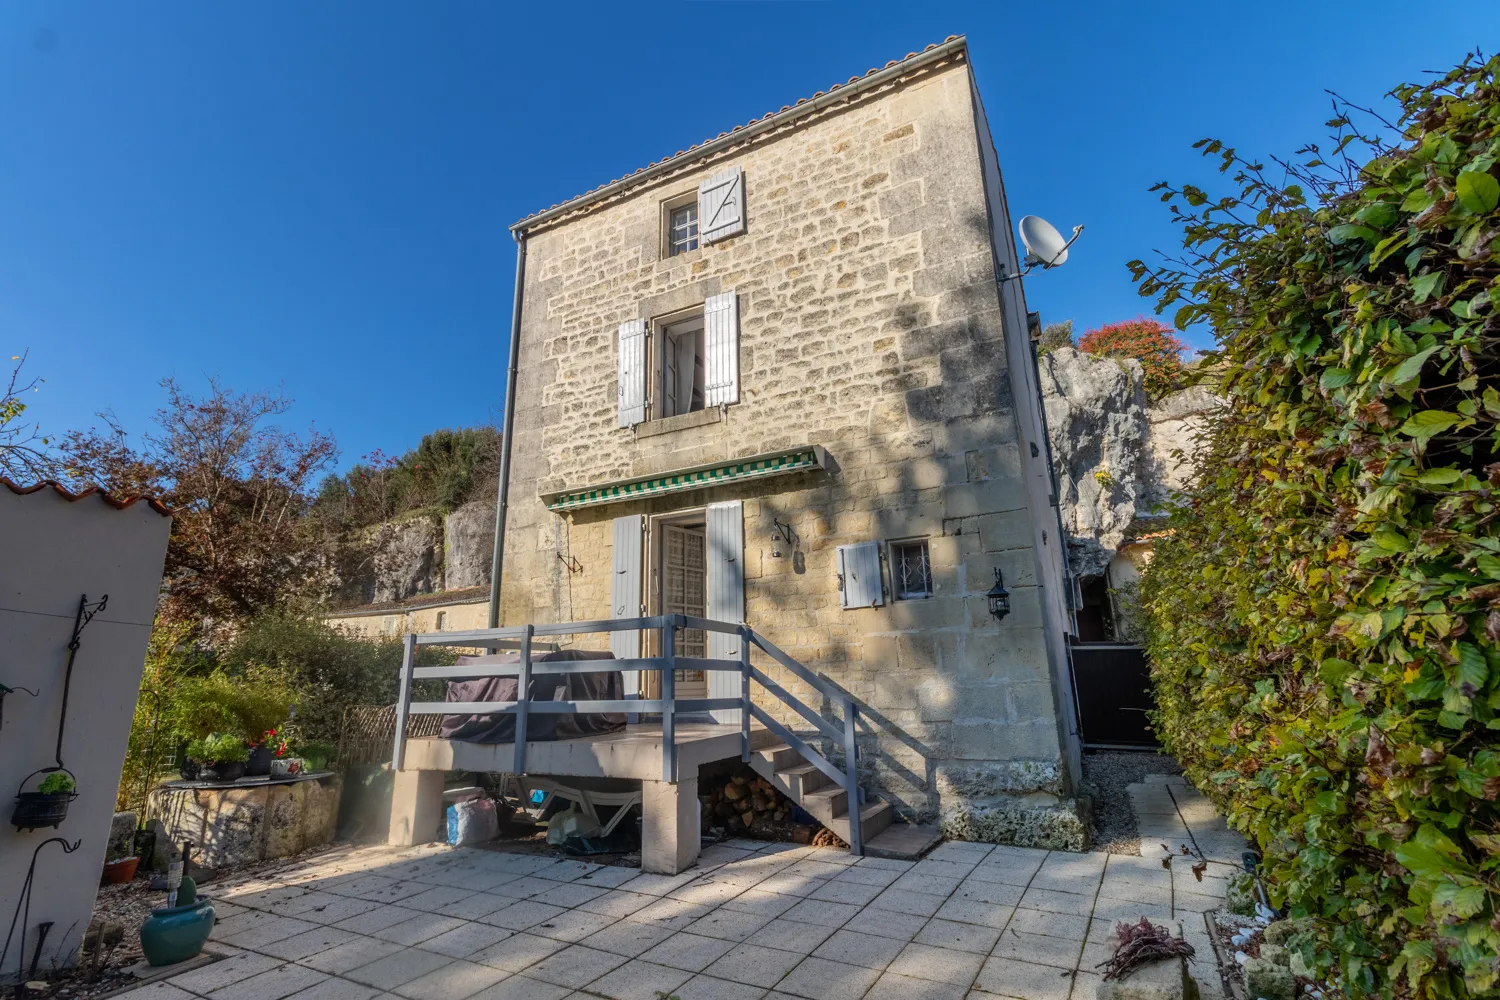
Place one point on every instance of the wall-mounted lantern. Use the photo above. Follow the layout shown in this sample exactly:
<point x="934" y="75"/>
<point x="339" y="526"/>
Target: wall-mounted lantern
<point x="999" y="597"/>
<point x="781" y="533"/>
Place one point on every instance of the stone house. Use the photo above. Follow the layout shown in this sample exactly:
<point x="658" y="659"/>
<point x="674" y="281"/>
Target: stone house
<point x="780" y="377"/>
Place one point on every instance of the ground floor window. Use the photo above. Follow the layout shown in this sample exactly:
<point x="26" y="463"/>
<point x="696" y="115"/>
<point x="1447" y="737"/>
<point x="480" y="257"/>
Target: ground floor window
<point x="911" y="570"/>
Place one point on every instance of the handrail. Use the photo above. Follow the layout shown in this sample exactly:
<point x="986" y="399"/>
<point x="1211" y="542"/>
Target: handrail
<point x="522" y="638"/>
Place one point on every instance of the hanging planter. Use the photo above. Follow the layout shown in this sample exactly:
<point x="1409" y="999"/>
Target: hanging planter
<point x="48" y="805"/>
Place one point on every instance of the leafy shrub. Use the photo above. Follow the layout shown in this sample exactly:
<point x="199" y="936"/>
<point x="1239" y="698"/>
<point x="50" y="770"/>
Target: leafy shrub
<point x="1055" y="335"/>
<point x="217" y="747"/>
<point x="246" y="704"/>
<point x="1149" y="342"/>
<point x="57" y="783"/>
<point x="1325" y="618"/>
<point x="448" y="468"/>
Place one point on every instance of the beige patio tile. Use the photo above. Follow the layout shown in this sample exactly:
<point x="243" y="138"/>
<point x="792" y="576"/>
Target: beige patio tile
<point x="753" y="964"/>
<point x="945" y="869"/>
<point x="463" y="941"/>
<point x="674" y="913"/>
<point x="336" y="989"/>
<point x="660" y="885"/>
<point x="1008" y="978"/>
<point x="766" y="904"/>
<point x="434" y="899"/>
<point x="521" y="914"/>
<point x="626" y="937"/>
<point x="337" y="908"/>
<point x="1192" y="902"/>
<point x="1038" y="949"/>
<point x="380" y="917"/>
<point x="573" y="925"/>
<point x="567" y="870"/>
<point x="475" y="905"/>
<point x="892" y="986"/>
<point x="639" y="980"/>
<point x="569" y="894"/>
<point x="619" y="903"/>
<point x="523" y="988"/>
<point x="788" y="935"/>
<point x="575" y="966"/>
<point x="692" y="952"/>
<point x="815" y="868"/>
<point x="609" y="877"/>
<point x="866" y="875"/>
<point x="935" y="885"/>
<point x="1068" y="926"/>
<point x="259" y="929"/>
<point x="454" y="981"/>
<point x="835" y="891"/>
<point x="300" y="946"/>
<point x="731" y="925"/>
<point x="820" y="979"/>
<point x="966" y="851"/>
<point x="224" y="972"/>
<point x="273" y="984"/>
<point x="958" y="936"/>
<point x="341" y="958"/>
<point x="418" y="928"/>
<point x="524" y="887"/>
<point x="295" y="906"/>
<point x="398" y="968"/>
<point x="517" y="952"/>
<point x="709" y="988"/>
<point x="1055" y="901"/>
<point x="265" y="899"/>
<point x="973" y="912"/>
<point x="1115" y="910"/>
<point x="886" y="923"/>
<point x="790" y="885"/>
<point x="944" y="965"/>
<point x="864" y="949"/>
<point x="821" y="912"/>
<point x="920" y="904"/>
<point x="708" y="891"/>
<point x="157" y="991"/>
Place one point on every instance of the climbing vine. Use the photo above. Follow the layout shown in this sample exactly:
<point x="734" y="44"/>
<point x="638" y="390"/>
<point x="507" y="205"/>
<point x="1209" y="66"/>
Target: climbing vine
<point x="1325" y="617"/>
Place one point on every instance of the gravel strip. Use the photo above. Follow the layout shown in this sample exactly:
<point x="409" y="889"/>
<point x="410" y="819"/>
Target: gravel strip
<point x="1105" y="775"/>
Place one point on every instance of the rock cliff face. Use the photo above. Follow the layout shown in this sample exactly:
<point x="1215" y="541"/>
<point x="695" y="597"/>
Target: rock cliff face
<point x="468" y="545"/>
<point x="1116" y="455"/>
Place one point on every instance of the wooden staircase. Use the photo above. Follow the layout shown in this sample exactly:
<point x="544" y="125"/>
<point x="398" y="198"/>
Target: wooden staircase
<point x="811" y="789"/>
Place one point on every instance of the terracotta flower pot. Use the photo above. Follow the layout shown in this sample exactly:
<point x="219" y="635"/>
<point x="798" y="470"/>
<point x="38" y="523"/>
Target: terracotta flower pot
<point x="116" y="872"/>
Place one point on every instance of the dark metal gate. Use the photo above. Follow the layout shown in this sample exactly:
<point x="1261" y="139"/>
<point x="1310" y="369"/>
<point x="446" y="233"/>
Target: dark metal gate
<point x="1112" y="682"/>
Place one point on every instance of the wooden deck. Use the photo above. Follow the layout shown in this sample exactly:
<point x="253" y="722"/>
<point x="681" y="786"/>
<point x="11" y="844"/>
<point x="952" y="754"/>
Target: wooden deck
<point x="634" y="752"/>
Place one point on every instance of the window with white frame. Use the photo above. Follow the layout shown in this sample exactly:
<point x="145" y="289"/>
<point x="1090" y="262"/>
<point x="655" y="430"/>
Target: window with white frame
<point x="682" y="229"/>
<point x="682" y="366"/>
<point x="911" y="569"/>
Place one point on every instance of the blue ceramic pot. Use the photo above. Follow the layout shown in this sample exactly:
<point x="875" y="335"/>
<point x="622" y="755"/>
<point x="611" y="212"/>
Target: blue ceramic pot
<point x="175" y="934"/>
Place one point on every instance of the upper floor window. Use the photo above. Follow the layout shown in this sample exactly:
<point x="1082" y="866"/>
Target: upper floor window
<point x="682" y="229"/>
<point x="682" y="368"/>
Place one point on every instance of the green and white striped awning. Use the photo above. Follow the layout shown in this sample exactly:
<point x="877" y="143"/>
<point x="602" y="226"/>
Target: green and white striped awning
<point x="699" y="477"/>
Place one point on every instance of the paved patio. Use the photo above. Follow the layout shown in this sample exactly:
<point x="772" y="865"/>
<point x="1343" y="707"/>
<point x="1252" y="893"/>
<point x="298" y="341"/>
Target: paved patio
<point x="754" y="921"/>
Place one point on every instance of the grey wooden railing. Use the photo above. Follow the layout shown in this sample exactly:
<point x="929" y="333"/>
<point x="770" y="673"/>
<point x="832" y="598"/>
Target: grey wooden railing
<point x="523" y="638"/>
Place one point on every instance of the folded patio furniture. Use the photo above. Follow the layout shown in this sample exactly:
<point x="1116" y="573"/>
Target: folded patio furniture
<point x="603" y="685"/>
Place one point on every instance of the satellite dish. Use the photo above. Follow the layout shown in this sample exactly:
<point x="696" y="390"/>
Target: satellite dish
<point x="1044" y="244"/>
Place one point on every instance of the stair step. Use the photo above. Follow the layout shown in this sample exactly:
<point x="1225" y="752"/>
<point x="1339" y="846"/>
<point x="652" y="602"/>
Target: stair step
<point x="902" y="841"/>
<point x="874" y="817"/>
<point x="826" y="803"/>
<point x="803" y="779"/>
<point x="778" y="755"/>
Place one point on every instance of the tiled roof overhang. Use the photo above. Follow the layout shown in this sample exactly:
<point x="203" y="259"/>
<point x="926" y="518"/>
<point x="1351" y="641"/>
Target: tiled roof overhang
<point x="118" y="503"/>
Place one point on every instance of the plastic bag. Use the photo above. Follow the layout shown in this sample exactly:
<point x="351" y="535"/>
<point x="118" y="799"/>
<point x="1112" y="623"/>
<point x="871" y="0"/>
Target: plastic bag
<point x="571" y="823"/>
<point x="472" y="822"/>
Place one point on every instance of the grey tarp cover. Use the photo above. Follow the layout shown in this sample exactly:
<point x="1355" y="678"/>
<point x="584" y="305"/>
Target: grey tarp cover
<point x="605" y="685"/>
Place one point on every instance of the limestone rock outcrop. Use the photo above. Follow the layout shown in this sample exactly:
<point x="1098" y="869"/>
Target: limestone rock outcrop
<point x="468" y="545"/>
<point x="1117" y="455"/>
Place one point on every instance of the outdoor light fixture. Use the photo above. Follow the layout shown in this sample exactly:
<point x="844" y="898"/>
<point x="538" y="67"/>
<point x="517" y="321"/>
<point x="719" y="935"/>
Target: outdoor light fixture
<point x="999" y="597"/>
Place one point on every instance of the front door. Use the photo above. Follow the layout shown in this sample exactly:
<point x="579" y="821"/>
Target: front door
<point x="684" y="591"/>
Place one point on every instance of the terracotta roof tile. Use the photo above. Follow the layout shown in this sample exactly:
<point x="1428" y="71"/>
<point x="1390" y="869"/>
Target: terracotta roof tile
<point x="118" y="503"/>
<point x="769" y="114"/>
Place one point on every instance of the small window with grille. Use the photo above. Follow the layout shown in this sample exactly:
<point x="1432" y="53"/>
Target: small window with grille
<point x="682" y="229"/>
<point x="911" y="570"/>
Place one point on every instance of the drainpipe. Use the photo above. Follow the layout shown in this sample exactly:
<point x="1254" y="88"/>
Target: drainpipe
<point x="508" y="435"/>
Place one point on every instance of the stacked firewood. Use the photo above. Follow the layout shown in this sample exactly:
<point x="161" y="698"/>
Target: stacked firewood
<point x="747" y="805"/>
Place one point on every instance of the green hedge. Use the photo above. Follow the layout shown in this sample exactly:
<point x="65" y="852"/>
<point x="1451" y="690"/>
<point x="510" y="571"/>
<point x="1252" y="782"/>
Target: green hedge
<point x="1325" y="617"/>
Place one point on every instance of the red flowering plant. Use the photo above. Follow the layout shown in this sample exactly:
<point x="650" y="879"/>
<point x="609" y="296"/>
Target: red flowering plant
<point x="1149" y="342"/>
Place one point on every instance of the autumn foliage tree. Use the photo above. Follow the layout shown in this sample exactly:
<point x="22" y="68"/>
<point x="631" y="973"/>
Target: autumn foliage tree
<point x="1149" y="342"/>
<point x="240" y="485"/>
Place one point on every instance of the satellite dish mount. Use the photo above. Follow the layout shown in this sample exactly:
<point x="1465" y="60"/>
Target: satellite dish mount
<point x="1045" y="246"/>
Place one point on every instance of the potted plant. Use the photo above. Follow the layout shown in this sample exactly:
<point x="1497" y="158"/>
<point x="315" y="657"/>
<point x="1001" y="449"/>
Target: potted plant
<point x="48" y="805"/>
<point x="121" y="869"/>
<point x="262" y="753"/>
<point x="221" y="757"/>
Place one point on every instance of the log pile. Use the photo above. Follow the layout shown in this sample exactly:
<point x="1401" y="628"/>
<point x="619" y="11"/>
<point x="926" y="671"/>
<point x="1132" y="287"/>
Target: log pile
<point x="744" y="804"/>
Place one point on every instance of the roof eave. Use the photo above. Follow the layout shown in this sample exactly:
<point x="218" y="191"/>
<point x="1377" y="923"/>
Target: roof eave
<point x="744" y="133"/>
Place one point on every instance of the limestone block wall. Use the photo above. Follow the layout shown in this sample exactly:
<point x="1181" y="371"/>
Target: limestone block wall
<point x="870" y="324"/>
<point x="237" y="825"/>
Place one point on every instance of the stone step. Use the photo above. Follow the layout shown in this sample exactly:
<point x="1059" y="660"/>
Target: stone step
<point x="903" y="841"/>
<point x="811" y="789"/>
<point x="874" y="818"/>
<point x="803" y="778"/>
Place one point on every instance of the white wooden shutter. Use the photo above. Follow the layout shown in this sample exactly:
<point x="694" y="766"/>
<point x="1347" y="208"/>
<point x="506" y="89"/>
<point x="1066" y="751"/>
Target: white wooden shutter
<point x="721" y="205"/>
<point x="726" y="598"/>
<point x="859" y="575"/>
<point x="625" y="592"/>
<point x="632" y="372"/>
<point x="721" y="349"/>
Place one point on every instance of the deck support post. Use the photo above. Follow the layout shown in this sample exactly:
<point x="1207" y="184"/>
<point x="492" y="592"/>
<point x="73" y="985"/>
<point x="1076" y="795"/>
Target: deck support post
<point x="745" y="694"/>
<point x="671" y="828"/>
<point x="416" y="807"/>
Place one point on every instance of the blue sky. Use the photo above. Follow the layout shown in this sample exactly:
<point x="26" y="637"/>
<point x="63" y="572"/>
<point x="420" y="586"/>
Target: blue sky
<point x="313" y="198"/>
